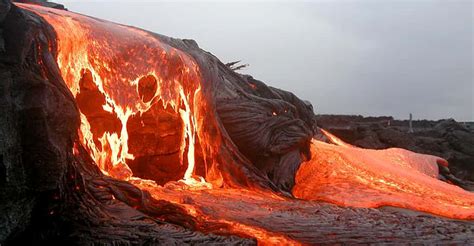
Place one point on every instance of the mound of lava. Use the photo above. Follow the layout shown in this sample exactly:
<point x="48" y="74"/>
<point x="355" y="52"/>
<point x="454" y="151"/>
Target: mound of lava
<point x="112" y="134"/>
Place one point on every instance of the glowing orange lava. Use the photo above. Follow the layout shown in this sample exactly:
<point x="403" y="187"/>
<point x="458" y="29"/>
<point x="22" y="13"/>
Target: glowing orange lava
<point x="350" y="176"/>
<point x="117" y="58"/>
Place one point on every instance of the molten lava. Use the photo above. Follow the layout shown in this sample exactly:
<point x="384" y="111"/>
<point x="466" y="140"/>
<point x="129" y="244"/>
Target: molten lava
<point x="118" y="58"/>
<point x="124" y="78"/>
<point x="349" y="176"/>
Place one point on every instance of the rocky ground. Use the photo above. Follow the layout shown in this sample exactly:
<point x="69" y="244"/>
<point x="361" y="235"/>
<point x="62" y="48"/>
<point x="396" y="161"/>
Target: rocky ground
<point x="319" y="223"/>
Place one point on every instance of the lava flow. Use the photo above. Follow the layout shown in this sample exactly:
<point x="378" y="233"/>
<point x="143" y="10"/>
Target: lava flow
<point x="350" y="176"/>
<point x="140" y="102"/>
<point x="117" y="73"/>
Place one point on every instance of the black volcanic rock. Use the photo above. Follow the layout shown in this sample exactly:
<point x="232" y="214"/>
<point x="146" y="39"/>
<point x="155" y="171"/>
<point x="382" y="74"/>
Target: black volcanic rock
<point x="5" y="6"/>
<point x="44" y="3"/>
<point x="38" y="123"/>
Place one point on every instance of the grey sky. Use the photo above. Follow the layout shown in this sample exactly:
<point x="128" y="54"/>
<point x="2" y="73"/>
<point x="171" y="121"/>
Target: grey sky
<point x="346" y="57"/>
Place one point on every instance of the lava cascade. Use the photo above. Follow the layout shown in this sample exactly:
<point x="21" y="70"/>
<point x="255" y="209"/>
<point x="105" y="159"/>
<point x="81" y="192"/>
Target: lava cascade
<point x="119" y="58"/>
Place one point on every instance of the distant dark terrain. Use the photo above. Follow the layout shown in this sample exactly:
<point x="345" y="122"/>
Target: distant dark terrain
<point x="449" y="139"/>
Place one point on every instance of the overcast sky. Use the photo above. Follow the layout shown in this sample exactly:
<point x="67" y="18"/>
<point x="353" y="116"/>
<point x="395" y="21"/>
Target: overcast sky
<point x="346" y="57"/>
